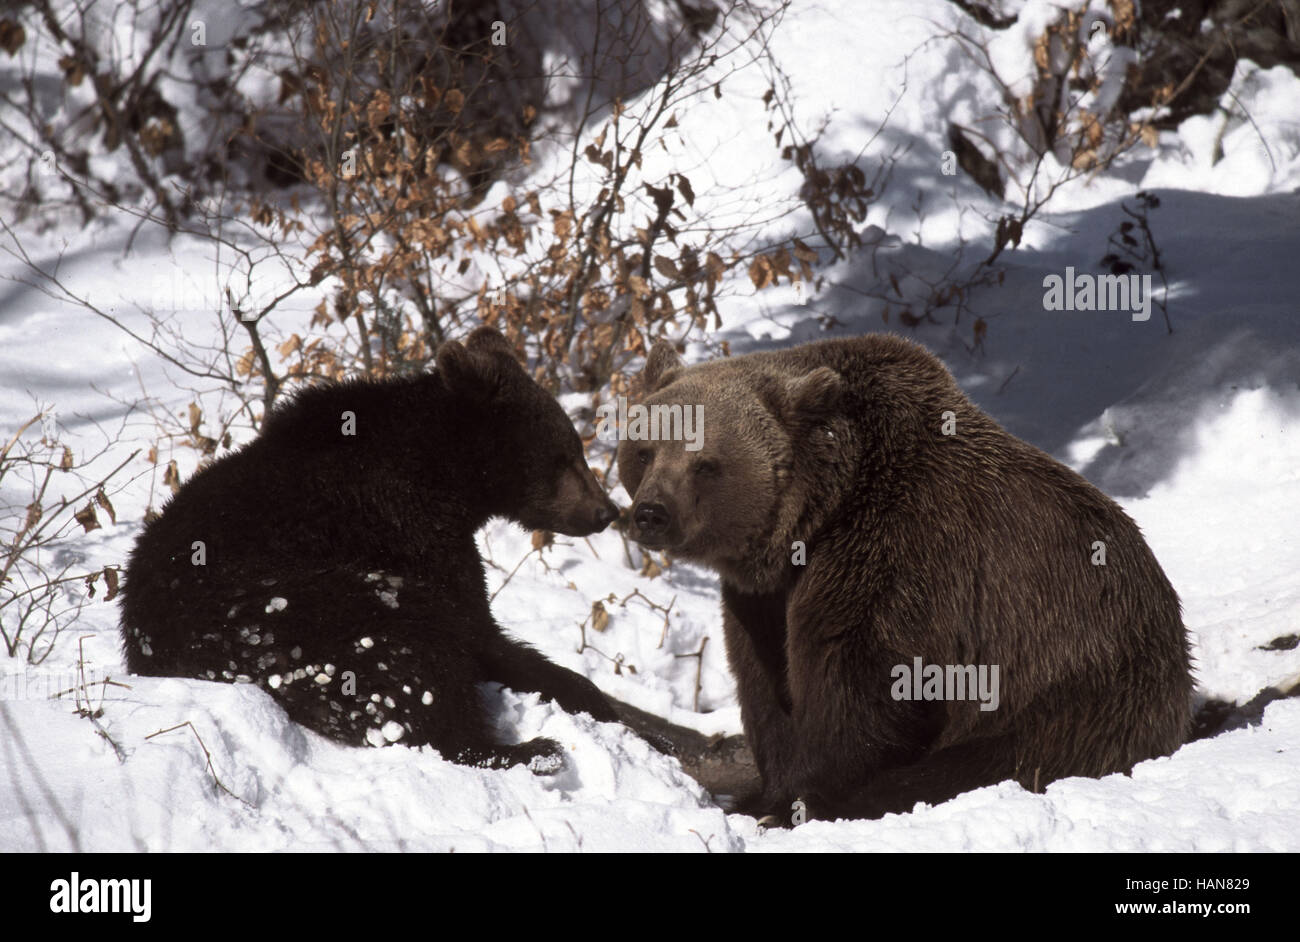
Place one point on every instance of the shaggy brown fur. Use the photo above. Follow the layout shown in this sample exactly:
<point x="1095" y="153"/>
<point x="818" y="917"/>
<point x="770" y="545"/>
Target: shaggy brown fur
<point x="341" y="573"/>
<point x="973" y="548"/>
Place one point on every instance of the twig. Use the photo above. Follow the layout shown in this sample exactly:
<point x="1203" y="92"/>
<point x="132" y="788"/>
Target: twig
<point x="207" y="755"/>
<point x="512" y="574"/>
<point x="85" y="711"/>
<point x="19" y="434"/>
<point x="540" y="833"/>
<point x="636" y="593"/>
<point x="699" y="670"/>
<point x="707" y="848"/>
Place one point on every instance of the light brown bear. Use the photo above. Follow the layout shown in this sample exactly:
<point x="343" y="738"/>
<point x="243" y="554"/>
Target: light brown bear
<point x="882" y="543"/>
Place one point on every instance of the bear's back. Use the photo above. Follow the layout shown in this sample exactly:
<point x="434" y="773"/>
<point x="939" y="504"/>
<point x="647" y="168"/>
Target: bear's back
<point x="993" y="530"/>
<point x="320" y="487"/>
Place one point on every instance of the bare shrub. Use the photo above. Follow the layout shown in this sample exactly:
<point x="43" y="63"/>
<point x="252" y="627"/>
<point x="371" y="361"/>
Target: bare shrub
<point x="47" y="497"/>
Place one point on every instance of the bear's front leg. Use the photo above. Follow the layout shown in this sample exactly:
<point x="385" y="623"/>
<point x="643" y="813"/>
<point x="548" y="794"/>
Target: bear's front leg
<point x="934" y="779"/>
<point x="848" y="730"/>
<point x="754" y="628"/>
<point x="522" y="669"/>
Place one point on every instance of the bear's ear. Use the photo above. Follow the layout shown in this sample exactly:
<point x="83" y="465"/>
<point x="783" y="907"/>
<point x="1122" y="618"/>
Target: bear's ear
<point x="815" y="393"/>
<point x="488" y="340"/>
<point x="466" y="371"/>
<point x="661" y="366"/>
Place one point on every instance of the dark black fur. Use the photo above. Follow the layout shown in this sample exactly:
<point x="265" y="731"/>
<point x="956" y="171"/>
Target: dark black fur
<point x="973" y="548"/>
<point x="369" y="540"/>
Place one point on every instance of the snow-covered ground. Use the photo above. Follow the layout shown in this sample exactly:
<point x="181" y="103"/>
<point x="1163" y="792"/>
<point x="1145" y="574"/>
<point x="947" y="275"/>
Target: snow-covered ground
<point x="1195" y="433"/>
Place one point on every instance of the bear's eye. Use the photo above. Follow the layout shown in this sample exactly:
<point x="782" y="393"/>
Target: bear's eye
<point x="644" y="456"/>
<point x="706" y="469"/>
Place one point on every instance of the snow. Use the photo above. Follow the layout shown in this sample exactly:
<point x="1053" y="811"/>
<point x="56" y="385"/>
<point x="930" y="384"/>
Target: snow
<point x="1195" y="433"/>
<point x="1260" y="139"/>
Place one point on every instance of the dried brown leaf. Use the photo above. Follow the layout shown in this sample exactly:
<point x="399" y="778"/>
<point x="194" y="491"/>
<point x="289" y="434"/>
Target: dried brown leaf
<point x="102" y="499"/>
<point x="12" y="35"/>
<point x="290" y="346"/>
<point x="110" y="580"/>
<point x="684" y="187"/>
<point x="172" y="477"/>
<point x="33" y="517"/>
<point x="86" y="517"/>
<point x="803" y="252"/>
<point x="666" y="267"/>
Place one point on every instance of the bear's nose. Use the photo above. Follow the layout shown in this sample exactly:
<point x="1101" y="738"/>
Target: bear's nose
<point x="606" y="515"/>
<point x="651" y="518"/>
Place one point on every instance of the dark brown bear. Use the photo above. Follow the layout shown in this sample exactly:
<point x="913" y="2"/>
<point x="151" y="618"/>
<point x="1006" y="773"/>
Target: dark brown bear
<point x="863" y="514"/>
<point x="332" y="560"/>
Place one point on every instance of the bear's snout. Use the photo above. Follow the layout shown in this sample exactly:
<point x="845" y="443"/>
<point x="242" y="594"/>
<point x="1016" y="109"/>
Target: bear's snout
<point x="651" y="518"/>
<point x="652" y="524"/>
<point x="606" y="515"/>
<point x="584" y="519"/>
<point x="581" y="506"/>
